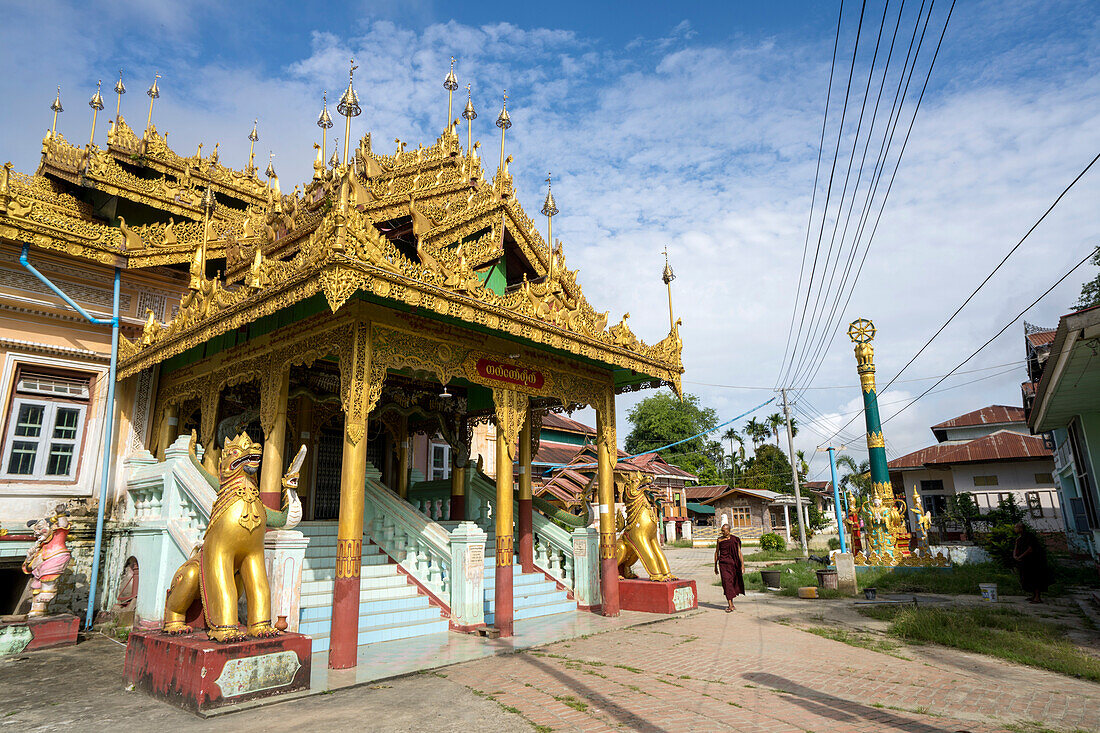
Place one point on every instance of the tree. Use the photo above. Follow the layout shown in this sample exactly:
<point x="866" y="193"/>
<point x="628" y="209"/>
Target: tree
<point x="803" y="465"/>
<point x="1090" y="291"/>
<point x="768" y="469"/>
<point x="757" y="431"/>
<point x="774" y="422"/>
<point x="857" y="476"/>
<point x="663" y="419"/>
<point x="737" y="457"/>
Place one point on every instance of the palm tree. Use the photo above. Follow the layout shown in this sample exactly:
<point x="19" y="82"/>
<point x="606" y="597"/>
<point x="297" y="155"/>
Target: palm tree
<point x="803" y="465"/>
<point x="774" y="421"/>
<point x="757" y="431"/>
<point x="736" y="457"/>
<point x="857" y="476"/>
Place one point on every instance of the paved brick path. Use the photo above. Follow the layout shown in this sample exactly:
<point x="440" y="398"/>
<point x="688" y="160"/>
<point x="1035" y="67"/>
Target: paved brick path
<point x="711" y="671"/>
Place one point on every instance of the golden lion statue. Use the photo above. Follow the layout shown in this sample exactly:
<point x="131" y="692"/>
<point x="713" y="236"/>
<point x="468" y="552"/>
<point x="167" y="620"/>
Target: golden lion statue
<point x="230" y="558"/>
<point x="639" y="535"/>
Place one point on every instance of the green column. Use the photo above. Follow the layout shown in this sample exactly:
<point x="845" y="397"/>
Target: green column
<point x="862" y="332"/>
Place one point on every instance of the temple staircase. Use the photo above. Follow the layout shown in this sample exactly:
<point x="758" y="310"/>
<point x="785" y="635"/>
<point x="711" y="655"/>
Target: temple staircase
<point x="533" y="594"/>
<point x="390" y="606"/>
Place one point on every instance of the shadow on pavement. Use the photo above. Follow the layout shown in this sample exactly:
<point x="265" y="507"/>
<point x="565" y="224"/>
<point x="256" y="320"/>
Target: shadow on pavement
<point x="626" y="718"/>
<point x="838" y="708"/>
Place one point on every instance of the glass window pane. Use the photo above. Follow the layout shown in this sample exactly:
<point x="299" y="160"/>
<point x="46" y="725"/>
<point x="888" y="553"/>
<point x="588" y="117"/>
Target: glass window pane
<point x="21" y="461"/>
<point x="64" y="426"/>
<point x="29" y="422"/>
<point x="61" y="459"/>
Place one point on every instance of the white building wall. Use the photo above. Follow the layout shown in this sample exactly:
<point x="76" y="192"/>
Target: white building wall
<point x="1017" y="478"/>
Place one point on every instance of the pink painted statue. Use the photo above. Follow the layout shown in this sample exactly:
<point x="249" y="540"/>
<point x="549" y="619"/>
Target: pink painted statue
<point x="47" y="558"/>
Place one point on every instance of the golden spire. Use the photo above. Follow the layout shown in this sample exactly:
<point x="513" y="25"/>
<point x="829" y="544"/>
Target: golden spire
<point x="324" y="121"/>
<point x="503" y="122"/>
<point x="120" y="89"/>
<point x="450" y="84"/>
<point x="153" y="92"/>
<point x="349" y="107"/>
<point x="252" y="138"/>
<point x="270" y="172"/>
<point x="198" y="266"/>
<point x="549" y="209"/>
<point x="668" y="276"/>
<point x="96" y="103"/>
<point x="469" y="114"/>
<point x="334" y="161"/>
<point x="56" y="107"/>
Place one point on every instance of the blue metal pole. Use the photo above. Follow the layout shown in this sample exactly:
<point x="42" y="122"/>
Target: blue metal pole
<point x="109" y="418"/>
<point x="109" y="414"/>
<point x="836" y="499"/>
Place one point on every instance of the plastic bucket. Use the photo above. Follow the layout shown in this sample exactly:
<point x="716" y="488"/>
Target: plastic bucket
<point x="870" y="593"/>
<point x="771" y="579"/>
<point x="989" y="591"/>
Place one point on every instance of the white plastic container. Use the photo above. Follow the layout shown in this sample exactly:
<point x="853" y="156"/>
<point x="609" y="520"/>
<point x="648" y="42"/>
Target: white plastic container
<point x="989" y="591"/>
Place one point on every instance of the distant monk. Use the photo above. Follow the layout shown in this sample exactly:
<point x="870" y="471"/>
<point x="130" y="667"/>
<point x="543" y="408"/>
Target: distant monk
<point x="1031" y="562"/>
<point x="729" y="562"/>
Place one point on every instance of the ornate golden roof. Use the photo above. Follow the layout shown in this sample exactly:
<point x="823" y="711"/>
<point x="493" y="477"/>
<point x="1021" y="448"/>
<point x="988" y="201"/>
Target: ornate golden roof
<point x="326" y="237"/>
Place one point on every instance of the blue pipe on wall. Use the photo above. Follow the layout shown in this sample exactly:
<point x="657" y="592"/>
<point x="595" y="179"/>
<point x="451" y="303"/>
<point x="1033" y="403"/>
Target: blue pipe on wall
<point x="109" y="414"/>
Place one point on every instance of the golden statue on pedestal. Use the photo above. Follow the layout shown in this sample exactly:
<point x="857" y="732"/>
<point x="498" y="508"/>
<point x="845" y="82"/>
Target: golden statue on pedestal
<point x="230" y="559"/>
<point x="639" y="532"/>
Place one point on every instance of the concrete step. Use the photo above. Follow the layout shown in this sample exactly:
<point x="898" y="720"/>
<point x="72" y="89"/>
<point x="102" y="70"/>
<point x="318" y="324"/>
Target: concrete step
<point x="411" y="617"/>
<point x="550" y="608"/>
<point x="368" y="606"/>
<point x="325" y="585"/>
<point x="387" y="633"/>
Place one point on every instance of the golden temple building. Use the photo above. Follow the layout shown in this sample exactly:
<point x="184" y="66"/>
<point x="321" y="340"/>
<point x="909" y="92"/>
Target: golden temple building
<point x="394" y="302"/>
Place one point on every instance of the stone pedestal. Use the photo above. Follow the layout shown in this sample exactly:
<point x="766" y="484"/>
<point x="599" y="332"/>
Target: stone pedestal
<point x="39" y="632"/>
<point x="284" y="554"/>
<point x="670" y="531"/>
<point x="669" y="596"/>
<point x="200" y="675"/>
<point x="846" y="573"/>
<point x="686" y="529"/>
<point x="586" y="568"/>
<point x="467" y="577"/>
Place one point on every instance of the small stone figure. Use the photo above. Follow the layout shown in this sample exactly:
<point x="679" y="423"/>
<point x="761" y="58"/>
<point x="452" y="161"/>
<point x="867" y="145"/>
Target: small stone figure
<point x="47" y="558"/>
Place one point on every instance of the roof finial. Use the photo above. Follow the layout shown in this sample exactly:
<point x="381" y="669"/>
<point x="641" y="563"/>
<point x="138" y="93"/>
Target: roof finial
<point x="349" y="107"/>
<point x="549" y="209"/>
<point x="270" y="172"/>
<point x="450" y="84"/>
<point x="153" y="92"/>
<point x="120" y="89"/>
<point x="56" y="107"/>
<point x="668" y="276"/>
<point x="469" y="114"/>
<point x="503" y="122"/>
<point x="96" y="103"/>
<point x="252" y="137"/>
<point x="334" y="161"/>
<point x="324" y="121"/>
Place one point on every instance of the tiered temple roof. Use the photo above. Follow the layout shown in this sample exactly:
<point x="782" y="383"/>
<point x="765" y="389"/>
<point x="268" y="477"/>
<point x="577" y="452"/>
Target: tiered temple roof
<point x="418" y="228"/>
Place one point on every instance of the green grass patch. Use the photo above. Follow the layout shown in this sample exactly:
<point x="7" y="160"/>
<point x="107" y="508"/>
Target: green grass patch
<point x="681" y="543"/>
<point x="793" y="576"/>
<point x="769" y="555"/>
<point x="964" y="579"/>
<point x="1004" y="633"/>
<point x="853" y="638"/>
<point x="573" y="703"/>
<point x="1036" y="726"/>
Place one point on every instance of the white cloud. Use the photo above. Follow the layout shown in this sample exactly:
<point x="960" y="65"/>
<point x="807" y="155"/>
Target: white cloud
<point x="706" y="148"/>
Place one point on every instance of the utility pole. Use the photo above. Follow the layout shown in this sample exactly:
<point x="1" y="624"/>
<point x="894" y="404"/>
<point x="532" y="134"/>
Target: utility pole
<point x="794" y="477"/>
<point x="836" y="496"/>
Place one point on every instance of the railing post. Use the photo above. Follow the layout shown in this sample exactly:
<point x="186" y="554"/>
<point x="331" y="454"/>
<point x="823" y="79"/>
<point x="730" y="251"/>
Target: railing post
<point x="467" y="597"/>
<point x="586" y="567"/>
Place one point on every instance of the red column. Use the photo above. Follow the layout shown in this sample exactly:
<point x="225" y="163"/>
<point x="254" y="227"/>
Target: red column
<point x="344" y="633"/>
<point x="502" y="596"/>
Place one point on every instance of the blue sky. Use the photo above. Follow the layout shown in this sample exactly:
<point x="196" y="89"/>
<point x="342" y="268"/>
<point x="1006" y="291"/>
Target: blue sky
<point x="694" y="126"/>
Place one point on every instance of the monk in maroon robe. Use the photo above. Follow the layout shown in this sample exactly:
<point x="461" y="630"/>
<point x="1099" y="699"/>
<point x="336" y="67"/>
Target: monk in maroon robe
<point x="730" y="564"/>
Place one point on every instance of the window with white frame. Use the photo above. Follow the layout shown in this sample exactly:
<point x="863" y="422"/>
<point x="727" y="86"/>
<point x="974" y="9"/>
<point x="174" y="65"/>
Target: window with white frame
<point x="441" y="461"/>
<point x="45" y="427"/>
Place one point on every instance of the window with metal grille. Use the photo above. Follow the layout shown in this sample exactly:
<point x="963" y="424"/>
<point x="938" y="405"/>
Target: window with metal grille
<point x="43" y="440"/>
<point x="985" y="481"/>
<point x="52" y="386"/>
<point x="1035" y="504"/>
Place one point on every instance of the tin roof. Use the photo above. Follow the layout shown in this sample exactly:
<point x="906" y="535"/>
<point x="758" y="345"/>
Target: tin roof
<point x="1003" y="445"/>
<point x="554" y="421"/>
<point x="991" y="415"/>
<point x="698" y="493"/>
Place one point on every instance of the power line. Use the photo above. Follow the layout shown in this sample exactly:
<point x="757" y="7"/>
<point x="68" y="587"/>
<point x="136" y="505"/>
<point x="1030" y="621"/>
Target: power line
<point x="832" y="172"/>
<point x="813" y="195"/>
<point x="888" y="143"/>
<point x="1031" y="229"/>
<point x="823" y="290"/>
<point x="994" y="337"/>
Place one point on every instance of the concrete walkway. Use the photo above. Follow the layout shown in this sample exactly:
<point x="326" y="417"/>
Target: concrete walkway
<point x="706" y="670"/>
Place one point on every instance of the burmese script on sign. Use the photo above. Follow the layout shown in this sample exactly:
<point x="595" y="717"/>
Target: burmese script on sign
<point x="518" y="375"/>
